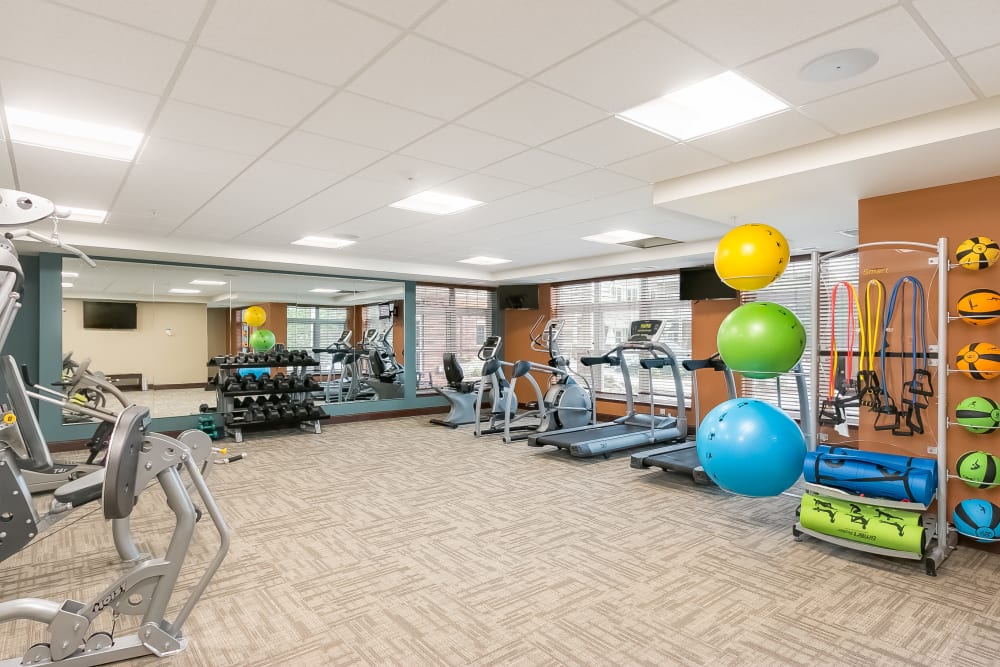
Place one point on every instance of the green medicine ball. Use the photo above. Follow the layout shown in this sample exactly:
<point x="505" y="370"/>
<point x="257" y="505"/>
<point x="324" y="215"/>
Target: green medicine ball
<point x="979" y="469"/>
<point x="978" y="414"/>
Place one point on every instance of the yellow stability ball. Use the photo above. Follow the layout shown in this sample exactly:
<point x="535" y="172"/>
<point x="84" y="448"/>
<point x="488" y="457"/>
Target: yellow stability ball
<point x="751" y="256"/>
<point x="255" y="316"/>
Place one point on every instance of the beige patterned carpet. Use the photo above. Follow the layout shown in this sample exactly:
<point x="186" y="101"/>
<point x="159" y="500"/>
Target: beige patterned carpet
<point x="400" y="543"/>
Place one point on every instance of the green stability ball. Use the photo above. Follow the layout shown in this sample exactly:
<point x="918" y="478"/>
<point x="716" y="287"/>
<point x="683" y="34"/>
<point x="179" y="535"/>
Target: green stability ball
<point x="262" y="340"/>
<point x="761" y="340"/>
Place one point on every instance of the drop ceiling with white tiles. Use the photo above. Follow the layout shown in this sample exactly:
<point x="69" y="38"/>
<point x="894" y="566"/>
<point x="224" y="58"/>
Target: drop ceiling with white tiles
<point x="264" y="122"/>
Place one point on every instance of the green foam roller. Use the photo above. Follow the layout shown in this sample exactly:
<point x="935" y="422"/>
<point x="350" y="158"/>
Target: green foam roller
<point x="887" y="528"/>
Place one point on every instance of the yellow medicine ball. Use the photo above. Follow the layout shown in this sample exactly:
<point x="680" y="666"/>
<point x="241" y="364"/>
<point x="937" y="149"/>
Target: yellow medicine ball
<point x="751" y="256"/>
<point x="254" y="316"/>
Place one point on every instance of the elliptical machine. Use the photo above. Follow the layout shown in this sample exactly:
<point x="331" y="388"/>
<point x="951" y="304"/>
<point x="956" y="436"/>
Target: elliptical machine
<point x="565" y="404"/>
<point x="465" y="397"/>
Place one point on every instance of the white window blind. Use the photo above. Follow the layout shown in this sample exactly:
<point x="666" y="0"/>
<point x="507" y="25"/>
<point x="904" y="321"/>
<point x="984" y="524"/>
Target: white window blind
<point x="598" y="315"/>
<point x="793" y="291"/>
<point x="371" y="319"/>
<point x="451" y="319"/>
<point x="314" y="326"/>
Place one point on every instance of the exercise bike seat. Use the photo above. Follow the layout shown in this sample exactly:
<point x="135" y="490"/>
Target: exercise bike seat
<point x="81" y="490"/>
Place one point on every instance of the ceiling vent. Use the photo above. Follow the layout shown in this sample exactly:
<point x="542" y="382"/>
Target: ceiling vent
<point x="651" y="242"/>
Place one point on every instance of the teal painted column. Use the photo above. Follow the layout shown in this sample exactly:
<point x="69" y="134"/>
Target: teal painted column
<point x="49" y="337"/>
<point x="410" y="340"/>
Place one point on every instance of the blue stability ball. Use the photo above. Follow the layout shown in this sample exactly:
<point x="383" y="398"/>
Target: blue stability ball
<point x="751" y="447"/>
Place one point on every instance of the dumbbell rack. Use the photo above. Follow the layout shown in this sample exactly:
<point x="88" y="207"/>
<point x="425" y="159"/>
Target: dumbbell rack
<point x="235" y="419"/>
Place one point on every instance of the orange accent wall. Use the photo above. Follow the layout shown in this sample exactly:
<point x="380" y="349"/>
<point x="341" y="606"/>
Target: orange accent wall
<point x="957" y="212"/>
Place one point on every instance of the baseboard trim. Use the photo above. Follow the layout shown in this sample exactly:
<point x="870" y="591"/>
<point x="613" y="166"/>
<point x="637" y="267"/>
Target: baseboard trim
<point x="390" y="414"/>
<point x="180" y="385"/>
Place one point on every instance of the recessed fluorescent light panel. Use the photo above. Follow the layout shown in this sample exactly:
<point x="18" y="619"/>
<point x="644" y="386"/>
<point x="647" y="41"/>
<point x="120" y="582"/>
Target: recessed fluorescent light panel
<point x="324" y="290"/>
<point x="70" y="274"/>
<point x="323" y="242"/>
<point x="436" y="203"/>
<point x="207" y="282"/>
<point x="484" y="261"/>
<point x="70" y="135"/>
<point x="183" y="290"/>
<point x="714" y="104"/>
<point x="617" y="236"/>
<point x="87" y="215"/>
<point x="67" y="284"/>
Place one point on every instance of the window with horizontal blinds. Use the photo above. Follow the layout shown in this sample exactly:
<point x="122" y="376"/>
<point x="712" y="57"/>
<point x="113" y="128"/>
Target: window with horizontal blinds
<point x="314" y="326"/>
<point x="598" y="315"/>
<point x="371" y="319"/>
<point x="793" y="290"/>
<point x="451" y="319"/>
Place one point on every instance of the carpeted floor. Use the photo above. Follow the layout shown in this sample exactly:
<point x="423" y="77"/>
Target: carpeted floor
<point x="400" y="543"/>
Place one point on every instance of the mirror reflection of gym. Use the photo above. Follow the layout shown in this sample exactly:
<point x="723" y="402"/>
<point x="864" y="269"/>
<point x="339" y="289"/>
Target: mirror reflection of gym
<point x="153" y="329"/>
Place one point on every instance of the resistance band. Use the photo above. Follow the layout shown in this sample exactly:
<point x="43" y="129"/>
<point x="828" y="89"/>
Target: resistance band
<point x="919" y="384"/>
<point x="842" y="389"/>
<point x="869" y="387"/>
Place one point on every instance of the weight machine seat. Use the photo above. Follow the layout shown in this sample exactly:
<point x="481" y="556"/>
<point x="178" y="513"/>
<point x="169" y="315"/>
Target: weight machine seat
<point x="379" y="368"/>
<point x="81" y="490"/>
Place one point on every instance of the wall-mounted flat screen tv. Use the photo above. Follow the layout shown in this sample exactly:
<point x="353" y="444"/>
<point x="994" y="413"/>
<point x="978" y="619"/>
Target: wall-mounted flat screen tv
<point x="703" y="283"/>
<point x="109" y="315"/>
<point x="518" y="297"/>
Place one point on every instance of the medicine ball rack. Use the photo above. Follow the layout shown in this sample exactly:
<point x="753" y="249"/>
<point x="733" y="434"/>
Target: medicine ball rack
<point x="940" y="538"/>
<point x="281" y="401"/>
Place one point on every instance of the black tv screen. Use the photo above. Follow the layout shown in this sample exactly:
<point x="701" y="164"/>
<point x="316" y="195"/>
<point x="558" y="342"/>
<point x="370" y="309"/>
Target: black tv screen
<point x="704" y="283"/>
<point x="109" y="315"/>
<point x="518" y="297"/>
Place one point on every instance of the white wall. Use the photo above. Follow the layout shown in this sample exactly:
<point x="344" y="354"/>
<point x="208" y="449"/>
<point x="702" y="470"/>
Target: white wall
<point x="163" y="359"/>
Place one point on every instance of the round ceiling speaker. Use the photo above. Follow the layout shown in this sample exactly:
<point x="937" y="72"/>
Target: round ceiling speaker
<point x="839" y="65"/>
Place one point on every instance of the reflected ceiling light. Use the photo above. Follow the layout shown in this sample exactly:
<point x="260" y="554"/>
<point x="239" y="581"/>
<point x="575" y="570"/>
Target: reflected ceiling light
<point x="183" y="290"/>
<point x="324" y="290"/>
<point x="484" y="261"/>
<point x="86" y="215"/>
<point x="207" y="282"/>
<point x="716" y="103"/>
<point x="617" y="236"/>
<point x="436" y="203"/>
<point x="67" y="284"/>
<point x="324" y="242"/>
<point x="70" y="274"/>
<point x="225" y="297"/>
<point x="71" y="135"/>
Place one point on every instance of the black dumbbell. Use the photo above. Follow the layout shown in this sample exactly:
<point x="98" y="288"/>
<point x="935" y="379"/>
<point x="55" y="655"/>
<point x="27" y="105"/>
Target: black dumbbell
<point x="301" y="412"/>
<point x="263" y="379"/>
<point x="237" y="404"/>
<point x="260" y="400"/>
<point x="281" y="382"/>
<point x="232" y="383"/>
<point x="271" y="413"/>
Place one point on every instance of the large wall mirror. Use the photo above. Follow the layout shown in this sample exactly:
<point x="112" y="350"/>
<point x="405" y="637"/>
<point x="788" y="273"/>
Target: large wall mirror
<point x="154" y="328"/>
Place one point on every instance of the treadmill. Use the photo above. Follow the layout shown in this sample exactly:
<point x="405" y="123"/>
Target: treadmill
<point x="632" y="430"/>
<point x="683" y="457"/>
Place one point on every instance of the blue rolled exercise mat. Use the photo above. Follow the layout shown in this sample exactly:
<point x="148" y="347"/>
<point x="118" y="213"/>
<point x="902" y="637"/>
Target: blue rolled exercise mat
<point x="873" y="474"/>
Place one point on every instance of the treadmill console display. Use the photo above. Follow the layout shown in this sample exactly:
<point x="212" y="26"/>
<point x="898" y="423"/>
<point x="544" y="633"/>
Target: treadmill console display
<point x="646" y="331"/>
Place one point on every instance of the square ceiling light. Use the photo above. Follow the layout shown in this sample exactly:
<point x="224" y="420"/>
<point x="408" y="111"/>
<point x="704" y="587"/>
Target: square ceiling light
<point x="617" y="236"/>
<point x="70" y="274"/>
<point x="484" y="261"/>
<point x="207" y="282"/>
<point x="86" y="215"/>
<point x="184" y="290"/>
<point x="67" y="284"/>
<point x="324" y="290"/>
<point x="324" y="242"/>
<point x="714" y="104"/>
<point x="73" y="136"/>
<point x="436" y="203"/>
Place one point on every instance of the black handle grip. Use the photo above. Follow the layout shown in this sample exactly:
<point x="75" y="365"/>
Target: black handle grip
<point x="26" y="376"/>
<point x="656" y="362"/>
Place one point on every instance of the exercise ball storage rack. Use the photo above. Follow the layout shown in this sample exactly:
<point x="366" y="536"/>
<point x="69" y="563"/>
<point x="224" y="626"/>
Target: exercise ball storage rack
<point x="940" y="539"/>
